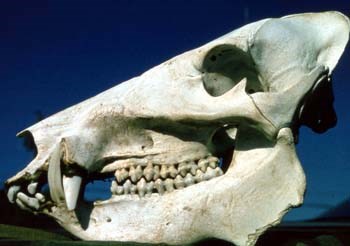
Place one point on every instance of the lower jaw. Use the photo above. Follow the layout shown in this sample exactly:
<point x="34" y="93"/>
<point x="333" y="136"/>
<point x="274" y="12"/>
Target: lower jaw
<point x="237" y="207"/>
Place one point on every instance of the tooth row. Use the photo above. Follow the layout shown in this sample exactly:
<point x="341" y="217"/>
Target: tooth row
<point x="155" y="171"/>
<point x="161" y="186"/>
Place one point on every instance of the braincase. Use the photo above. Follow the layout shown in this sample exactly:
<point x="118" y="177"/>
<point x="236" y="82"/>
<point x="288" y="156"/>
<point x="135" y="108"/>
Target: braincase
<point x="286" y="49"/>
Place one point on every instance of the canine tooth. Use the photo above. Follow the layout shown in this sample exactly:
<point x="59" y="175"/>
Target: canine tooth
<point x="164" y="171"/>
<point x="158" y="184"/>
<point x="149" y="187"/>
<point x="169" y="185"/>
<point x="148" y="172"/>
<point x="156" y="172"/>
<point x="203" y="164"/>
<point x="141" y="187"/>
<point x="11" y="194"/>
<point x="71" y="188"/>
<point x="40" y="197"/>
<point x="179" y="182"/>
<point x="32" y="188"/>
<point x="188" y="179"/>
<point x="28" y="201"/>
<point x="218" y="171"/>
<point x="199" y="176"/>
<point x="127" y="186"/>
<point x="172" y="171"/>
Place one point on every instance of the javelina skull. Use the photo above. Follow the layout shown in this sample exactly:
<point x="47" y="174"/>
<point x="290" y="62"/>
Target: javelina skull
<point x="200" y="146"/>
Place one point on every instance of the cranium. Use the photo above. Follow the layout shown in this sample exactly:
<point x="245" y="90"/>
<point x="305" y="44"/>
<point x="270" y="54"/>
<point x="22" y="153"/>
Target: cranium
<point x="200" y="146"/>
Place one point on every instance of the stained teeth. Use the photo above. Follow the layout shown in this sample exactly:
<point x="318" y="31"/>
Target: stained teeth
<point x="71" y="188"/>
<point x="156" y="173"/>
<point x="159" y="186"/>
<point x="164" y="171"/>
<point x="188" y="180"/>
<point x="148" y="172"/>
<point x="203" y="164"/>
<point x="163" y="178"/>
<point x="141" y="187"/>
<point x="127" y="186"/>
<point x="179" y="182"/>
<point x="32" y="188"/>
<point x="172" y="171"/>
<point x="199" y="176"/>
<point x="169" y="185"/>
<point x="40" y="197"/>
<point x="121" y="175"/>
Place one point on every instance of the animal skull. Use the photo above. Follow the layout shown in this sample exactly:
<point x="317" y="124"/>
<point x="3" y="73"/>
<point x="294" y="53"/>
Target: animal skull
<point x="200" y="146"/>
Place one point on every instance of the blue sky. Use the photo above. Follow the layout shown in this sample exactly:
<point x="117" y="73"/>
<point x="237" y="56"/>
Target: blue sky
<point x="54" y="54"/>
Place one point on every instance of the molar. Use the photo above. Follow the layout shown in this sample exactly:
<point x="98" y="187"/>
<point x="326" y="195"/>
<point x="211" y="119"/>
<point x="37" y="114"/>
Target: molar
<point x="184" y="168"/>
<point x="172" y="171"/>
<point x="189" y="180"/>
<point x="164" y="171"/>
<point x="127" y="186"/>
<point x="141" y="187"/>
<point x="149" y="171"/>
<point x="203" y="164"/>
<point x="169" y="185"/>
<point x="199" y="176"/>
<point x="156" y="173"/>
<point x="159" y="186"/>
<point x="179" y="182"/>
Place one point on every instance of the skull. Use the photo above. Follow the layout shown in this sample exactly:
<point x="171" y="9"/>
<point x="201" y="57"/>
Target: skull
<point x="200" y="146"/>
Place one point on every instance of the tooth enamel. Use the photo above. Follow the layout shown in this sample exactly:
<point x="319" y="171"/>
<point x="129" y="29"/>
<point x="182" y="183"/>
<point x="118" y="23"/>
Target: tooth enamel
<point x="193" y="168"/>
<point x="28" y="201"/>
<point x="133" y="189"/>
<point x="199" y="176"/>
<point x="184" y="168"/>
<point x="179" y="182"/>
<point x="158" y="184"/>
<point x="149" y="187"/>
<point x="127" y="186"/>
<point x="141" y="187"/>
<point x="11" y="194"/>
<point x="118" y="176"/>
<point x="40" y="197"/>
<point x="114" y="187"/>
<point x="119" y="190"/>
<point x="124" y="174"/>
<point x="164" y="171"/>
<point x="132" y="174"/>
<point x="148" y="172"/>
<point x="213" y="161"/>
<point x="169" y="185"/>
<point x="156" y="172"/>
<point x="188" y="179"/>
<point x="32" y="188"/>
<point x="172" y="171"/>
<point x="209" y="174"/>
<point x="138" y="172"/>
<point x="71" y="187"/>
<point x="218" y="171"/>
<point x="203" y="164"/>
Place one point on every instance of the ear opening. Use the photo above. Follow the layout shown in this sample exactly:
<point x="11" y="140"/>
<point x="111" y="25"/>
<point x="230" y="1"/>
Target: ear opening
<point x="225" y="66"/>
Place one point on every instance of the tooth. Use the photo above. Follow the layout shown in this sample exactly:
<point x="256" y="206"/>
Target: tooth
<point x="149" y="187"/>
<point x="132" y="173"/>
<point x="118" y="175"/>
<point x="71" y="187"/>
<point x="114" y="187"/>
<point x="11" y="194"/>
<point x="54" y="176"/>
<point x="28" y="201"/>
<point x="172" y="171"/>
<point x="213" y="161"/>
<point x="188" y="180"/>
<point x="184" y="168"/>
<point x="156" y="172"/>
<point x="133" y="189"/>
<point x="40" y="197"/>
<point x="203" y="164"/>
<point x="158" y="184"/>
<point x="120" y="190"/>
<point x="199" y="176"/>
<point x="141" y="187"/>
<point x="138" y="172"/>
<point x="179" y="182"/>
<point x="209" y="174"/>
<point x="32" y="188"/>
<point x="193" y="168"/>
<point x="148" y="172"/>
<point x="123" y="175"/>
<point x="164" y="171"/>
<point x="218" y="171"/>
<point x="127" y="186"/>
<point x="169" y="185"/>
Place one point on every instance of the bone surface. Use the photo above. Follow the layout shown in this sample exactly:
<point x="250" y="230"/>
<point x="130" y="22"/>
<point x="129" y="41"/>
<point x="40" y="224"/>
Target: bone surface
<point x="201" y="146"/>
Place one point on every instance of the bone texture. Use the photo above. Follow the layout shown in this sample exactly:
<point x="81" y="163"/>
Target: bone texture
<point x="200" y="146"/>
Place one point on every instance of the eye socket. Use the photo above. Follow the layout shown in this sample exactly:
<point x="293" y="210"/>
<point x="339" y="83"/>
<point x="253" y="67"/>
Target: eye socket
<point x="224" y="66"/>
